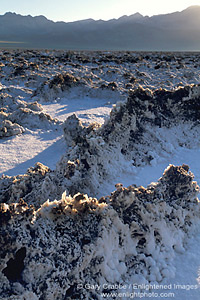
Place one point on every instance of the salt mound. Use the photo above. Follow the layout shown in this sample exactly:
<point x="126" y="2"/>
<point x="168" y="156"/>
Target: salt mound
<point x="7" y="128"/>
<point x="70" y="86"/>
<point x="26" y="186"/>
<point x="59" y="84"/>
<point x="67" y="246"/>
<point x="16" y="115"/>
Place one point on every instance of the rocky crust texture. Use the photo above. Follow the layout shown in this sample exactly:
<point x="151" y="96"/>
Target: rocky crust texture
<point x="16" y="115"/>
<point x="147" y="126"/>
<point x="7" y="128"/>
<point x="59" y="249"/>
<point x="63" y="248"/>
<point x="70" y="86"/>
<point x="138" y="132"/>
<point x="41" y="76"/>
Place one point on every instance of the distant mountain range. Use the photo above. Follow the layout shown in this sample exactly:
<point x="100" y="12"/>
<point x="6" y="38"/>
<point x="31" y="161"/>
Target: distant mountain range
<point x="178" y="31"/>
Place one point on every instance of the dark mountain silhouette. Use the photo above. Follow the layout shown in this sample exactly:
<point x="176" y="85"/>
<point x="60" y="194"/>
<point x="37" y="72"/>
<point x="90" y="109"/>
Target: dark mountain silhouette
<point x="169" y="32"/>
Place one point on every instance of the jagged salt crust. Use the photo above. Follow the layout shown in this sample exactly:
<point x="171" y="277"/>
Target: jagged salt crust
<point x="146" y="128"/>
<point x="51" y="75"/>
<point x="51" y="249"/>
<point x="66" y="85"/>
<point x="63" y="248"/>
<point x="16" y="115"/>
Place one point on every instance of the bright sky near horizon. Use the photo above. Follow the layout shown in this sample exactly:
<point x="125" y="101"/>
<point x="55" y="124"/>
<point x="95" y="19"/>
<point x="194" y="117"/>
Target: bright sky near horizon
<point x="68" y="10"/>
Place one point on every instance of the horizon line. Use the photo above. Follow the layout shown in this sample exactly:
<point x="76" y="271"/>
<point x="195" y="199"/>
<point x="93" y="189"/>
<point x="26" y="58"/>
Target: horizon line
<point x="103" y="20"/>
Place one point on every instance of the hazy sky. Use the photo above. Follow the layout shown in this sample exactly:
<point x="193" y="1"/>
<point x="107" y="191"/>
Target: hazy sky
<point x="71" y="10"/>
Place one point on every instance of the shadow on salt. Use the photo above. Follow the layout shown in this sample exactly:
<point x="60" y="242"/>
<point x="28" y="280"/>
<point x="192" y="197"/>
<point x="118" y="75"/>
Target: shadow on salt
<point x="48" y="157"/>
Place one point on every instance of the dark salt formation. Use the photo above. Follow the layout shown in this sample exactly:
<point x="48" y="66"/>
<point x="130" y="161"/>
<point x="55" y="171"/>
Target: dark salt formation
<point x="63" y="248"/>
<point x="63" y="81"/>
